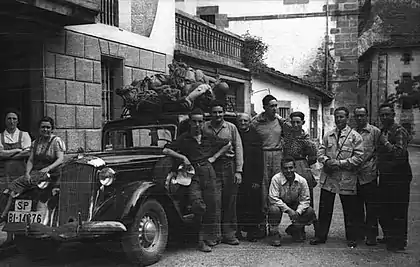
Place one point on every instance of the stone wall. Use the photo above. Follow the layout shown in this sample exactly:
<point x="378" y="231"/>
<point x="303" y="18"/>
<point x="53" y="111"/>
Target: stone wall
<point x="72" y="82"/>
<point x="344" y="34"/>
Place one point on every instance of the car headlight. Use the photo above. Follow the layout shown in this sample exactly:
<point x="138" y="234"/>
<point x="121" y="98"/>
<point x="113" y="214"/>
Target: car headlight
<point x="106" y="176"/>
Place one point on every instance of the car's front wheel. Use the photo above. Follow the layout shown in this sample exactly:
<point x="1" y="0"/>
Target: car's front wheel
<point x="146" y="239"/>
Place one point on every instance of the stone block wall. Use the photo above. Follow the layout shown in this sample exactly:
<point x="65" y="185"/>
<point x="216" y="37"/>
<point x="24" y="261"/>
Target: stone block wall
<point x="73" y="82"/>
<point x="345" y="36"/>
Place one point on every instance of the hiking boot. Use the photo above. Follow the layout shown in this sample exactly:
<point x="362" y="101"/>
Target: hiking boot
<point x="371" y="241"/>
<point x="382" y="240"/>
<point x="300" y="235"/>
<point x="203" y="247"/>
<point x="231" y="241"/>
<point x="317" y="241"/>
<point x="211" y="243"/>
<point x="251" y="237"/>
<point x="276" y="240"/>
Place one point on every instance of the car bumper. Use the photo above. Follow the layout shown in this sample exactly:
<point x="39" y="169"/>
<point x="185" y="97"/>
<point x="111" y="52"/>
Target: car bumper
<point x="67" y="232"/>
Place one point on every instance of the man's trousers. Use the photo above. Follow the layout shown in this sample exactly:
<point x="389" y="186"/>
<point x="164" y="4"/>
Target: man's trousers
<point x="275" y="215"/>
<point x="226" y="208"/>
<point x="326" y="208"/>
<point x="204" y="198"/>
<point x="368" y="200"/>
<point x="395" y="197"/>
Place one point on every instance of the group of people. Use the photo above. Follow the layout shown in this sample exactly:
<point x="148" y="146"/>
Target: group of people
<point x="26" y="162"/>
<point x="369" y="168"/>
<point x="255" y="170"/>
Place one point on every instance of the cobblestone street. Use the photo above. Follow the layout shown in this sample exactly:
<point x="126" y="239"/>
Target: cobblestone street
<point x="333" y="253"/>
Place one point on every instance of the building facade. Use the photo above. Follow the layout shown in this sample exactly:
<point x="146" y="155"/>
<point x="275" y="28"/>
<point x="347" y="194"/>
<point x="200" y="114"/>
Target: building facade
<point x="70" y="71"/>
<point x="389" y="62"/>
<point x="293" y="94"/>
<point x="295" y="31"/>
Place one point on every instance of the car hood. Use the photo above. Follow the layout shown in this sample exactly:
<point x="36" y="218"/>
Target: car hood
<point x="118" y="159"/>
<point x="101" y="159"/>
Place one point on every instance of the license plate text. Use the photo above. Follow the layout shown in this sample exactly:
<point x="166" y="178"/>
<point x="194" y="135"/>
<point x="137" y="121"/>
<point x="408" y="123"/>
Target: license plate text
<point x="23" y="205"/>
<point x="17" y="217"/>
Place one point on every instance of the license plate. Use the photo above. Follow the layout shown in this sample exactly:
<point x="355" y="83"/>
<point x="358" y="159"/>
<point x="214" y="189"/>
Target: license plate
<point x="23" y="212"/>
<point x="23" y="205"/>
<point x="21" y="216"/>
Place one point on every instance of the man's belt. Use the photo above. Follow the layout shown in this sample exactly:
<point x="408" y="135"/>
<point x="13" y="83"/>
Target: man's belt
<point x="226" y="158"/>
<point x="273" y="149"/>
<point x="201" y="163"/>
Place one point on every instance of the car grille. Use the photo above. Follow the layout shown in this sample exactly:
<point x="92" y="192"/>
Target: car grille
<point x="76" y="185"/>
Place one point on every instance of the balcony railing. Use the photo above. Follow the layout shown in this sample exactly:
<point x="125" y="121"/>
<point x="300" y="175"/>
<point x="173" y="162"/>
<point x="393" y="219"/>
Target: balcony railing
<point x="109" y="12"/>
<point x="199" y="34"/>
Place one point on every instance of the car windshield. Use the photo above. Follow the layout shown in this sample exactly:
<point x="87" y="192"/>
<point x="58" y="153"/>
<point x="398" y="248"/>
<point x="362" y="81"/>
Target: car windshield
<point x="142" y="136"/>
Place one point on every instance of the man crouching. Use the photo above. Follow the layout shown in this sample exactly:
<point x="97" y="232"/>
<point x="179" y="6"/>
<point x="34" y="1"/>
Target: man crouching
<point x="289" y="193"/>
<point x="199" y="150"/>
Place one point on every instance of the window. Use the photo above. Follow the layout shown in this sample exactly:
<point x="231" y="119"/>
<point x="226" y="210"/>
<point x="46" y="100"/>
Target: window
<point x="145" y="136"/>
<point x="230" y="103"/>
<point x="109" y="12"/>
<point x="107" y="89"/>
<point x="111" y="79"/>
<point x="284" y="112"/>
<point x="209" y="18"/>
<point x="406" y="57"/>
<point x="313" y="124"/>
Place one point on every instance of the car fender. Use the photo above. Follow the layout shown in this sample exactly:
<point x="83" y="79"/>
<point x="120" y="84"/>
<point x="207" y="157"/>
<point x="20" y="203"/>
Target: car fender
<point x="142" y="190"/>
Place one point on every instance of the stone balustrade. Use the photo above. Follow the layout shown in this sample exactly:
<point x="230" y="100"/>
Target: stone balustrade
<point x="199" y="34"/>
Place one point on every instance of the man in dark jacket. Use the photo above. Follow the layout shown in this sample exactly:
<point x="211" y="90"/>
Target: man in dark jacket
<point x="394" y="179"/>
<point x="196" y="149"/>
<point x="250" y="200"/>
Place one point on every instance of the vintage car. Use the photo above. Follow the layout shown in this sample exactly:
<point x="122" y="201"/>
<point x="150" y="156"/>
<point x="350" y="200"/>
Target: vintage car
<point x="123" y="197"/>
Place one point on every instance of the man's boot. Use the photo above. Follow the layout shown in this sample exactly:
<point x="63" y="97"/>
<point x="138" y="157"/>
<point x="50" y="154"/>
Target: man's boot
<point x="275" y="240"/>
<point x="371" y="240"/>
<point x="202" y="246"/>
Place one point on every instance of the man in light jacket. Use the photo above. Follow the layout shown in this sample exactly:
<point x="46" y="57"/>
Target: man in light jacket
<point x="341" y="153"/>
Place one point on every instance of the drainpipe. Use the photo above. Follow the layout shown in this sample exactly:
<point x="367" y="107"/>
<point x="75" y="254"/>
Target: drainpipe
<point x="327" y="39"/>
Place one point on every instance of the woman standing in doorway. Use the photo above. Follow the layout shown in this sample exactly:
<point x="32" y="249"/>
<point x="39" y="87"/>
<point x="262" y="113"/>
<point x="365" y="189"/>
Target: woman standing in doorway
<point x="14" y="151"/>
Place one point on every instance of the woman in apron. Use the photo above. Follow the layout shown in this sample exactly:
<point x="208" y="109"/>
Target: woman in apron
<point x="46" y="155"/>
<point x="14" y="150"/>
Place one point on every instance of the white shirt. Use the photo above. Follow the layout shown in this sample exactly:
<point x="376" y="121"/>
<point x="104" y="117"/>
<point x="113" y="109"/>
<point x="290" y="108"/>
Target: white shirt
<point x="14" y="138"/>
<point x="282" y="193"/>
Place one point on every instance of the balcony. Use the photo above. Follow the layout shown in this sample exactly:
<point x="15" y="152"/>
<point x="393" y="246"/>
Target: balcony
<point x="200" y="39"/>
<point x="50" y="13"/>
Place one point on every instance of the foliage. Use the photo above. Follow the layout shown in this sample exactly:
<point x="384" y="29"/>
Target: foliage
<point x="254" y="50"/>
<point x="316" y="72"/>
